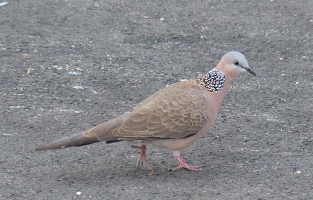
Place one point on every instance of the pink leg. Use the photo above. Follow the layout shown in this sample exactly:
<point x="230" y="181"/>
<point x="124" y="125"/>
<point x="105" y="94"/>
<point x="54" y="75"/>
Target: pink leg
<point x="142" y="160"/>
<point x="183" y="164"/>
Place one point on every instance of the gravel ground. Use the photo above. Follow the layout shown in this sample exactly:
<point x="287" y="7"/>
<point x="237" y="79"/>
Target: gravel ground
<point x="69" y="65"/>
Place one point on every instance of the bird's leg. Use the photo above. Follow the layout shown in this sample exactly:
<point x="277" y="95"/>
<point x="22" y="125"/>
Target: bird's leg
<point x="183" y="164"/>
<point x="143" y="156"/>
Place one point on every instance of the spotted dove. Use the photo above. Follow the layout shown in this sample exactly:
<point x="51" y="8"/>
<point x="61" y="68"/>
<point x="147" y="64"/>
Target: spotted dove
<point x="173" y="118"/>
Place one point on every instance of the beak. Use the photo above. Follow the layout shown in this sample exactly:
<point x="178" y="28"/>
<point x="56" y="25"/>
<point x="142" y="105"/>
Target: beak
<point x="249" y="70"/>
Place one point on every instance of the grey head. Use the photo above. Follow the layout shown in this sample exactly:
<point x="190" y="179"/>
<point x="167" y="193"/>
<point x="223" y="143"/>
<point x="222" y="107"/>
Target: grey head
<point x="236" y="61"/>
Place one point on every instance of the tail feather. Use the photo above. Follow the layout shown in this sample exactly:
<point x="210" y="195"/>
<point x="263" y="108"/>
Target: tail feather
<point x="95" y="134"/>
<point x="78" y="140"/>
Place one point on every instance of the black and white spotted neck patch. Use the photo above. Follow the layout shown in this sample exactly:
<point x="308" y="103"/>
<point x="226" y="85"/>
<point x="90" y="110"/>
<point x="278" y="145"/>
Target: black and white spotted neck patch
<point x="213" y="81"/>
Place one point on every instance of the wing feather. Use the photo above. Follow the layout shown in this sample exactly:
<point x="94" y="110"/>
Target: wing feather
<point x="177" y="111"/>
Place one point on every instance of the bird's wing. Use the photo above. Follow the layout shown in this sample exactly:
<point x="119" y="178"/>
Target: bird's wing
<point x="177" y="111"/>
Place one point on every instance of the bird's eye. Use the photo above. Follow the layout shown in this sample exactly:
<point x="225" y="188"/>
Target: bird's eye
<point x="236" y="62"/>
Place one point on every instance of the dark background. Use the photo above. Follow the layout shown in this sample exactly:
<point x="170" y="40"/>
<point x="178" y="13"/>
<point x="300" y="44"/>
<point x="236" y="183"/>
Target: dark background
<point x="66" y="66"/>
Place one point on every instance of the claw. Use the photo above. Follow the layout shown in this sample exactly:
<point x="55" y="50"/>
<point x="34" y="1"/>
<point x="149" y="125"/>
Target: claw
<point x="183" y="164"/>
<point x="142" y="160"/>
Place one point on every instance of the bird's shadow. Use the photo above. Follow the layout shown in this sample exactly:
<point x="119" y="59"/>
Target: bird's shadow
<point x="110" y="171"/>
<point x="109" y="176"/>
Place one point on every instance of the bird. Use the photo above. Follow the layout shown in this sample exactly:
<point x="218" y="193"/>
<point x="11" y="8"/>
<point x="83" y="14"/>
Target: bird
<point x="172" y="118"/>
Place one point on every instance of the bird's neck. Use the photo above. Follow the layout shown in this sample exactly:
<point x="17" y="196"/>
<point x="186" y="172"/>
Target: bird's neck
<point x="213" y="81"/>
<point x="217" y="83"/>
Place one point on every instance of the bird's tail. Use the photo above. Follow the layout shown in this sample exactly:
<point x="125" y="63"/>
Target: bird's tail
<point x="95" y="134"/>
<point x="78" y="140"/>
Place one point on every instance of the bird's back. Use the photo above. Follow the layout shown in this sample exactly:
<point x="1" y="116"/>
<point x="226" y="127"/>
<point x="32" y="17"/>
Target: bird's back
<point x="177" y="111"/>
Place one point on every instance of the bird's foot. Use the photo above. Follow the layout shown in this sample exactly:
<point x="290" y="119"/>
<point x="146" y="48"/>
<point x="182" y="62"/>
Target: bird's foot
<point x="142" y="160"/>
<point x="183" y="164"/>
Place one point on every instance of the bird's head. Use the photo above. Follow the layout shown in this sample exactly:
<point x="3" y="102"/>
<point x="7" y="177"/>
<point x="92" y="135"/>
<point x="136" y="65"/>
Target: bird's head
<point x="234" y="62"/>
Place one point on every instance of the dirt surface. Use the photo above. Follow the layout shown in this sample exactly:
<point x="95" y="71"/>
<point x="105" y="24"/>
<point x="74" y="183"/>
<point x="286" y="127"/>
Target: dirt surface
<point x="69" y="65"/>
